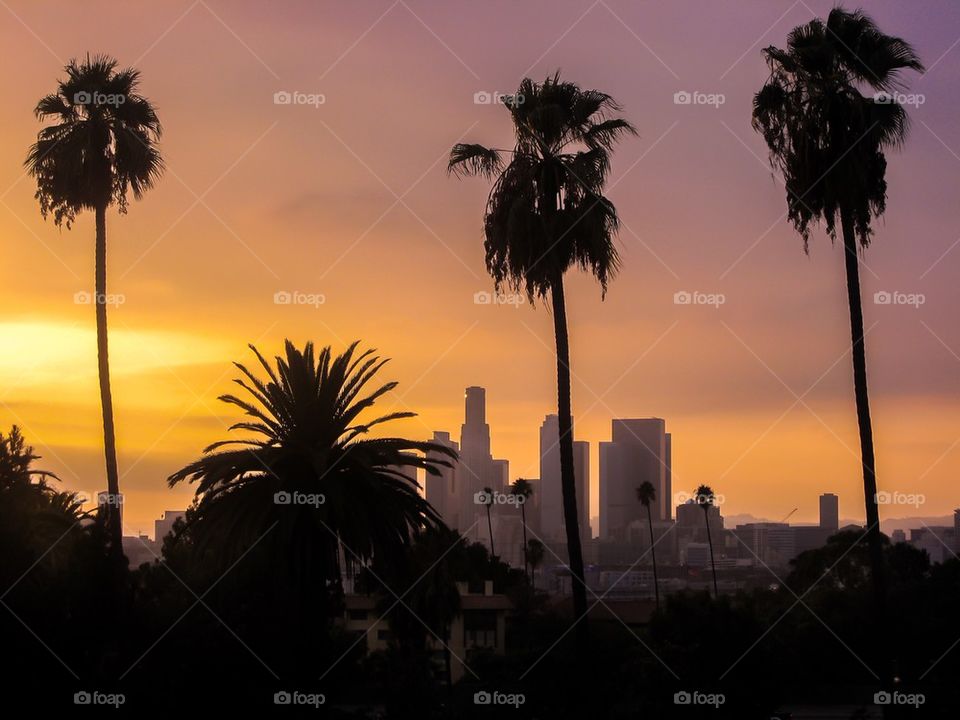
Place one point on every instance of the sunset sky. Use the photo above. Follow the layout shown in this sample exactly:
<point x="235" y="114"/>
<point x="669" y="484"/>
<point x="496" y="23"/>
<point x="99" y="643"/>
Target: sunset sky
<point x="349" y="199"/>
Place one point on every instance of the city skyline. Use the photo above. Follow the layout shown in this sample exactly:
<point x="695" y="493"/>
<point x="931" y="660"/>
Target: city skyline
<point x="781" y="330"/>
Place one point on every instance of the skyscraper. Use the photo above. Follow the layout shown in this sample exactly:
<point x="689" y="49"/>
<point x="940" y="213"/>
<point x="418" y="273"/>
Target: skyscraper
<point x="441" y="490"/>
<point x="477" y="468"/>
<point x="552" y="524"/>
<point x="639" y="451"/>
<point x="829" y="512"/>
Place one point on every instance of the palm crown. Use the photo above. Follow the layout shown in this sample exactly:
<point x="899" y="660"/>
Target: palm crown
<point x="825" y="135"/>
<point x="646" y="493"/>
<point x="310" y="442"/>
<point x="102" y="145"/>
<point x="546" y="211"/>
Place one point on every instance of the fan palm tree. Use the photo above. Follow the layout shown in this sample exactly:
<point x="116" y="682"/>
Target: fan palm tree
<point x="523" y="491"/>
<point x="545" y="214"/>
<point x="828" y="139"/>
<point x="311" y="478"/>
<point x="488" y="502"/>
<point x="102" y="144"/>
<point x="705" y="498"/>
<point x="647" y="494"/>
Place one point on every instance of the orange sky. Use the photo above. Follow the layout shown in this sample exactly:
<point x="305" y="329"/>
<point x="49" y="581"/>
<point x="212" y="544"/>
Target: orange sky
<point x="350" y="200"/>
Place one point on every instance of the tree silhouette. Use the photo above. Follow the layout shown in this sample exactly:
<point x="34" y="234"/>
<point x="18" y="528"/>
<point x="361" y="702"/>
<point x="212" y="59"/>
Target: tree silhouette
<point x="545" y="214"/>
<point x="103" y="143"/>
<point x="705" y="498"/>
<point x="646" y="494"/>
<point x="828" y="140"/>
<point x="523" y="491"/>
<point x="534" y="553"/>
<point x="311" y="479"/>
<point x="488" y="502"/>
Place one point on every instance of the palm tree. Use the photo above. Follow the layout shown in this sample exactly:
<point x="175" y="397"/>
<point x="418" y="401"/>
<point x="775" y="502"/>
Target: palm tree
<point x="646" y="494"/>
<point x="488" y="501"/>
<point x="545" y="214"/>
<point x="523" y="491"/>
<point x="310" y="479"/>
<point x="705" y="498"/>
<point x="828" y="140"/>
<point x="102" y="144"/>
<point x="534" y="553"/>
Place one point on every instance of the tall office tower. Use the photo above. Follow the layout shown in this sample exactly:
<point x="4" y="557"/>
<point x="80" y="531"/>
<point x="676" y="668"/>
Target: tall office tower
<point x="552" y="524"/>
<point x="829" y="512"/>
<point x="639" y="451"/>
<point x="477" y="469"/>
<point x="441" y="490"/>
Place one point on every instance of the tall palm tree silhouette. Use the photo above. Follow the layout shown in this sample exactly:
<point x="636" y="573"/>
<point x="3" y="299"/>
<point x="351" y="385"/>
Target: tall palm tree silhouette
<point x="545" y="214"/>
<point x="533" y="554"/>
<point x="647" y="494"/>
<point x="102" y="145"/>
<point x="488" y="501"/>
<point x="705" y="498"/>
<point x="828" y="140"/>
<point x="523" y="491"/>
<point x="310" y="478"/>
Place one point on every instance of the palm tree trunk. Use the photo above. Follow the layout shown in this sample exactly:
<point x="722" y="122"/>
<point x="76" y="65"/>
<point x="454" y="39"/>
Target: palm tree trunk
<point x="713" y="565"/>
<point x="567" y="480"/>
<point x="523" y="519"/>
<point x="874" y="537"/>
<point x="114" y="522"/>
<point x="493" y="554"/>
<point x="653" y="552"/>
